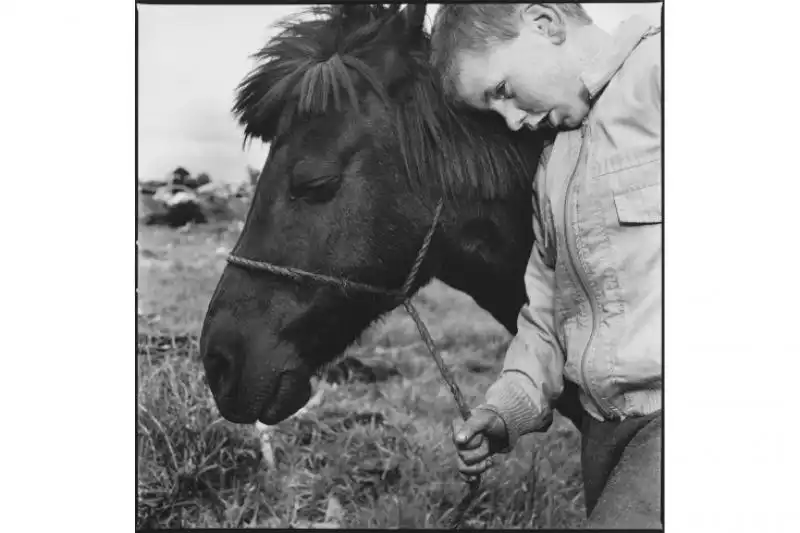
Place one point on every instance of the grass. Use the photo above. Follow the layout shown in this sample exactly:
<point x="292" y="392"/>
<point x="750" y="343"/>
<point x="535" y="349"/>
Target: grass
<point x="379" y="454"/>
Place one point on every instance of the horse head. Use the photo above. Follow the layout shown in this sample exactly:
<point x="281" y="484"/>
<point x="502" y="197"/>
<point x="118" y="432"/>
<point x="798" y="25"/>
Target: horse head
<point x="364" y="147"/>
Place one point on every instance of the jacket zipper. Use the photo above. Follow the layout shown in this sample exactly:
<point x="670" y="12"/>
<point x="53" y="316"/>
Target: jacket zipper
<point x="571" y="240"/>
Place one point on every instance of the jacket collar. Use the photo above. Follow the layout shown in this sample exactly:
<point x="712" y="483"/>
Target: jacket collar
<point x="624" y="40"/>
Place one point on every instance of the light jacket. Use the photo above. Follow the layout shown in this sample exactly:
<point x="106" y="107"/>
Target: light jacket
<point x="594" y="279"/>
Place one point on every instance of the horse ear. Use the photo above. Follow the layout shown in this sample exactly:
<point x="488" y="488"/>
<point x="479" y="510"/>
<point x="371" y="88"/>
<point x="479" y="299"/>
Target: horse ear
<point x="355" y="14"/>
<point x="348" y="10"/>
<point x="415" y="18"/>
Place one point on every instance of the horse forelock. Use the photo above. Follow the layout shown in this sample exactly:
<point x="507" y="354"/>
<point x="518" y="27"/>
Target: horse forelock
<point x="309" y="66"/>
<point x="313" y="65"/>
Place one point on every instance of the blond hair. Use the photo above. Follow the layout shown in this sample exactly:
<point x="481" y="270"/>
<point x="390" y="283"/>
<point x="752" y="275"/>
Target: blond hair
<point x="473" y="27"/>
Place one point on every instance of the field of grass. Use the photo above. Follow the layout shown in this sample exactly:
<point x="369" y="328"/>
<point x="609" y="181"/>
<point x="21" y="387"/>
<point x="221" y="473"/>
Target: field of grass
<point x="371" y="455"/>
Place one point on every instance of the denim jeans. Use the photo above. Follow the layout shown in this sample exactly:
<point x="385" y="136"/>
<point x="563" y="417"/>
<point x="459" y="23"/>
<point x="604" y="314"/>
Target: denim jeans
<point x="621" y="462"/>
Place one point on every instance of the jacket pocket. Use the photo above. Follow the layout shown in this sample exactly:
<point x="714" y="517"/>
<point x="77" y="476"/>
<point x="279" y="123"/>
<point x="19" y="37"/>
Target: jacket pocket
<point x="639" y="206"/>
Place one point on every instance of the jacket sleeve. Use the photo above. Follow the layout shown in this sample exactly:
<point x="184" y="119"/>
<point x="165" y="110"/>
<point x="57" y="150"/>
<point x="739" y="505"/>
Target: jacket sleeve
<point x="651" y="63"/>
<point x="532" y="375"/>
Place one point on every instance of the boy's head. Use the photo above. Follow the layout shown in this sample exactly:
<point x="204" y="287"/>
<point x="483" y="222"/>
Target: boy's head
<point x="521" y="60"/>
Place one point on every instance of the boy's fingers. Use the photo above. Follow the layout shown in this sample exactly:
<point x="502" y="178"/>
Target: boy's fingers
<point x="474" y="443"/>
<point x="480" y="453"/>
<point x="458" y="430"/>
<point x="476" y="469"/>
<point x="464" y="431"/>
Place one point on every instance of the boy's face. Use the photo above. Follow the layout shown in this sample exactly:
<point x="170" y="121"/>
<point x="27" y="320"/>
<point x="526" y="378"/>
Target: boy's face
<point x="531" y="80"/>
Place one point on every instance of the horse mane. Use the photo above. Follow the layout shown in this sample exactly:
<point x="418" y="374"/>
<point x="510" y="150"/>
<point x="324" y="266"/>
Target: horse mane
<point x="319" y="63"/>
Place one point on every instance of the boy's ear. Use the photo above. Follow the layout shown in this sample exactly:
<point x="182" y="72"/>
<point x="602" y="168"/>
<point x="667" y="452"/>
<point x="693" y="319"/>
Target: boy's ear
<point x="547" y="20"/>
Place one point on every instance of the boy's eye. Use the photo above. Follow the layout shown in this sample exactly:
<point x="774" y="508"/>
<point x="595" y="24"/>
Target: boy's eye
<point x="502" y="91"/>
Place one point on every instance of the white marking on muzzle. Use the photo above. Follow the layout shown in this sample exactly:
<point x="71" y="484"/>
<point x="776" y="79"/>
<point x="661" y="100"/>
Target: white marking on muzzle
<point x="266" y="433"/>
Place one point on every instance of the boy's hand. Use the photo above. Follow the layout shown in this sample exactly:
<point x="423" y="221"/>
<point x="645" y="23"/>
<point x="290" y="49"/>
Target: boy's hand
<point x="477" y="440"/>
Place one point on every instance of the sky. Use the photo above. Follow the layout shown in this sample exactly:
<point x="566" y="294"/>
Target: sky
<point x="191" y="58"/>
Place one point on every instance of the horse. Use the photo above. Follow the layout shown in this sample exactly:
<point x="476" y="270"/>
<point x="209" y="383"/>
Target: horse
<point x="372" y="174"/>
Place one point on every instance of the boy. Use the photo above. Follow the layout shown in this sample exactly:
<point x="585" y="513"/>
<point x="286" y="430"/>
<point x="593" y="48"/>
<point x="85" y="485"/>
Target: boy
<point x="594" y="277"/>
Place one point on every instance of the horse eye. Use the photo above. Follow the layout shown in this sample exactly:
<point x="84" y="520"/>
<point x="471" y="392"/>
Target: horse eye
<point x="316" y="190"/>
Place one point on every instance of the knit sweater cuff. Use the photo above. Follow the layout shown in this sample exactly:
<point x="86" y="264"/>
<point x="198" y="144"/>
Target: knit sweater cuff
<point x="508" y="398"/>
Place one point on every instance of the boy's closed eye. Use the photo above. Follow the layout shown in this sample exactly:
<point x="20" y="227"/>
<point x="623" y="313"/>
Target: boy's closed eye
<point x="503" y="92"/>
<point x="500" y="91"/>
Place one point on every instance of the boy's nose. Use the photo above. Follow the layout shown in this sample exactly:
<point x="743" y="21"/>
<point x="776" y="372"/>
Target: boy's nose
<point x="515" y="118"/>
<point x="514" y="124"/>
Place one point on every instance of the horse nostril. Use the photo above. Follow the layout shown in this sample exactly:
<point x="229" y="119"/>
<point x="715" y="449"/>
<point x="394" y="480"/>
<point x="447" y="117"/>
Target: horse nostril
<point x="219" y="370"/>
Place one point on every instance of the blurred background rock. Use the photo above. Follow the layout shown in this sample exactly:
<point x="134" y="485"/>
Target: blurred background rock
<point x="181" y="198"/>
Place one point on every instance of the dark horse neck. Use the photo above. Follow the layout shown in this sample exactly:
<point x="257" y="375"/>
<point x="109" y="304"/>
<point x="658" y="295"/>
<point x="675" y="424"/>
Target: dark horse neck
<point x="482" y="259"/>
<point x="485" y="256"/>
<point x="490" y="285"/>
